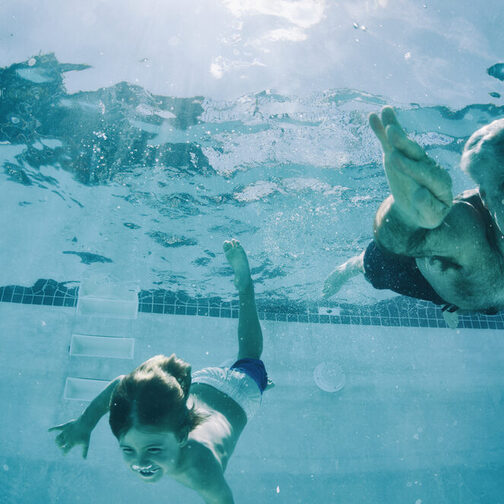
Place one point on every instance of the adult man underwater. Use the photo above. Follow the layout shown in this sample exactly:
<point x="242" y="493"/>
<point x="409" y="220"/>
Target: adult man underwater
<point x="426" y="244"/>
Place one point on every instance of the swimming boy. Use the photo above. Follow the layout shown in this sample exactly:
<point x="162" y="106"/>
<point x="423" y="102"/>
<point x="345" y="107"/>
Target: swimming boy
<point x="426" y="244"/>
<point x="169" y="424"/>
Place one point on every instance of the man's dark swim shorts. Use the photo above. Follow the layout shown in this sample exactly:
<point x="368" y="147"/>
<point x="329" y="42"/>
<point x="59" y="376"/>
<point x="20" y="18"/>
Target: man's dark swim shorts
<point x="385" y="270"/>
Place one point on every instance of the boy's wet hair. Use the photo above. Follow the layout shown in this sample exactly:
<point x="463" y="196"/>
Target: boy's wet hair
<point x="155" y="395"/>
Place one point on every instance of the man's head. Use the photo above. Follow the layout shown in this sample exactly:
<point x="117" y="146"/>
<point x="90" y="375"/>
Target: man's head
<point x="483" y="161"/>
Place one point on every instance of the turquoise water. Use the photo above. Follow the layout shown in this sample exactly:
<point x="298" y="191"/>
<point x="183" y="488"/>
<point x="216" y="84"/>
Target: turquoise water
<point x="133" y="162"/>
<point x="297" y="180"/>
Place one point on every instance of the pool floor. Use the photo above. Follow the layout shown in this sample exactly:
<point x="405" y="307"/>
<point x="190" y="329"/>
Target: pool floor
<point x="419" y="419"/>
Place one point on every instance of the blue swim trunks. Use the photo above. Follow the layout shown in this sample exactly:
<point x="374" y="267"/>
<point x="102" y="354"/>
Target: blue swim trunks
<point x="244" y="382"/>
<point x="255" y="369"/>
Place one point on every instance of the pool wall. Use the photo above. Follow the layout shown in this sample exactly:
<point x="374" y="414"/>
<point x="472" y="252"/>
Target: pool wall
<point x="419" y="419"/>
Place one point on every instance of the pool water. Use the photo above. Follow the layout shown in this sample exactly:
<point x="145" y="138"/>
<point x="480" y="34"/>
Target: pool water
<point x="124" y="170"/>
<point x="174" y="177"/>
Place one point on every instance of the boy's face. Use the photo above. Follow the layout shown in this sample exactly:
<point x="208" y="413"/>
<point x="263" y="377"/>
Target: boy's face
<point x="150" y="452"/>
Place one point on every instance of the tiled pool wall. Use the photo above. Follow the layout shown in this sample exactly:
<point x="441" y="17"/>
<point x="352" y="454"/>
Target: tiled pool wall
<point x="400" y="311"/>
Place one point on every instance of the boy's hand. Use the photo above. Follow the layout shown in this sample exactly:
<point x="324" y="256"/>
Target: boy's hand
<point x="72" y="433"/>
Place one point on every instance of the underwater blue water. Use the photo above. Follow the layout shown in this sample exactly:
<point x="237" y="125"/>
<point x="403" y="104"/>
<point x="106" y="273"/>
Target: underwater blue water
<point x="122" y="182"/>
<point x="135" y="138"/>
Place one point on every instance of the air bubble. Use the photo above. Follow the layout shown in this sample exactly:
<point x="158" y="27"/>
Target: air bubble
<point x="32" y="61"/>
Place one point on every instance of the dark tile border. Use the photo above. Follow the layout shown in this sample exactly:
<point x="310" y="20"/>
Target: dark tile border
<point x="400" y="311"/>
<point x="43" y="292"/>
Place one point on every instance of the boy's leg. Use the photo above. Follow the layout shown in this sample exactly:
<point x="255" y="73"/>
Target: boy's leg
<point x="250" y="340"/>
<point x="342" y="274"/>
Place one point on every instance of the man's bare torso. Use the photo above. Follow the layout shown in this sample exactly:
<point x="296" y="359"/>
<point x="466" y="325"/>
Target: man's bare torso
<point x="470" y="274"/>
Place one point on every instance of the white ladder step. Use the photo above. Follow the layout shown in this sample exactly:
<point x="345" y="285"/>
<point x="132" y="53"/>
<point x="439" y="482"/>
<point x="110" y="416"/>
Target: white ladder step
<point x="83" y="389"/>
<point x="83" y="345"/>
<point x="101" y="297"/>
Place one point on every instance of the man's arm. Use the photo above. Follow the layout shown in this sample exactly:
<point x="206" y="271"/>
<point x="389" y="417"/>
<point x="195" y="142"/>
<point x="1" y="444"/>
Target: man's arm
<point x="461" y="236"/>
<point x="421" y="196"/>
<point x="79" y="431"/>
<point x="393" y="232"/>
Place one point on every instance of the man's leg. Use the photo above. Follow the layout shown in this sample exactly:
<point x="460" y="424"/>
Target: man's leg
<point x="250" y="340"/>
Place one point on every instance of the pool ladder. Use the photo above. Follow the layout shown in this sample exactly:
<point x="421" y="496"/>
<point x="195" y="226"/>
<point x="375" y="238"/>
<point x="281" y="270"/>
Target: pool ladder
<point x="103" y="320"/>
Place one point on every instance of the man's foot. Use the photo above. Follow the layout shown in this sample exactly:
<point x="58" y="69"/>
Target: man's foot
<point x="238" y="260"/>
<point x="342" y="274"/>
<point x="451" y="319"/>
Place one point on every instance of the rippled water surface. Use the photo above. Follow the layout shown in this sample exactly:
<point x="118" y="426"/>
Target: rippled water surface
<point x="135" y="138"/>
<point x="143" y="187"/>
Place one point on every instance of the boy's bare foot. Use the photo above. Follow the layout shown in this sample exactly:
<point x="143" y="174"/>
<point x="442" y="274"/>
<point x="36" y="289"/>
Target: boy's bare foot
<point x="237" y="258"/>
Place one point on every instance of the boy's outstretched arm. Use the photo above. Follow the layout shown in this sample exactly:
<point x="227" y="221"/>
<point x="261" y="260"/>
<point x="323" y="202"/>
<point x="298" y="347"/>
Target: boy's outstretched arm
<point x="79" y="431"/>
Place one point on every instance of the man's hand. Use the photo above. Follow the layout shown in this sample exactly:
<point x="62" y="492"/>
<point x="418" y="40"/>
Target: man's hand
<point x="72" y="433"/>
<point x="421" y="189"/>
